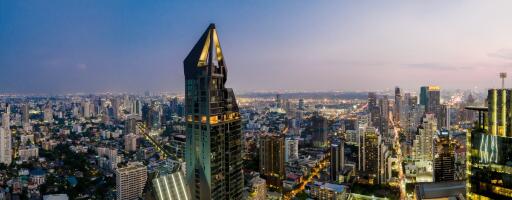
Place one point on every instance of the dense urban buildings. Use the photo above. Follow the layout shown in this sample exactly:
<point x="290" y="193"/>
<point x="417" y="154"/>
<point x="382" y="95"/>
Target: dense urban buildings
<point x="92" y="135"/>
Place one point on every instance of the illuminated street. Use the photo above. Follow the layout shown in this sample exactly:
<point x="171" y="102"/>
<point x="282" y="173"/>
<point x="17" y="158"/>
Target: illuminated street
<point x="398" y="151"/>
<point x="314" y="172"/>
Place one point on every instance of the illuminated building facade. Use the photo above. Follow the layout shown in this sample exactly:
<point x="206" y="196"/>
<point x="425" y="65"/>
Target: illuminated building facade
<point x="369" y="149"/>
<point x="213" y="152"/>
<point x="319" y="126"/>
<point x="272" y="153"/>
<point x="337" y="160"/>
<point x="489" y="156"/>
<point x="444" y="159"/>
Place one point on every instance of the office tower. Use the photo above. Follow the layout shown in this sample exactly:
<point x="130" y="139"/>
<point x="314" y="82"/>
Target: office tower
<point x="369" y="148"/>
<point x="444" y="160"/>
<point x="301" y="104"/>
<point x="291" y="149"/>
<point x="278" y="103"/>
<point x="443" y="116"/>
<point x="213" y="125"/>
<point x="115" y="108"/>
<point x="319" y="128"/>
<point x="272" y="159"/>
<point x="170" y="185"/>
<point x="6" y="138"/>
<point x="374" y="109"/>
<point x="130" y="181"/>
<point x="154" y="120"/>
<point x="398" y="104"/>
<point x="430" y="97"/>
<point x="499" y="119"/>
<point x="383" y="116"/>
<point x="337" y="160"/>
<point x="130" y="142"/>
<point x="489" y="149"/>
<point x="136" y="108"/>
<point x="25" y="115"/>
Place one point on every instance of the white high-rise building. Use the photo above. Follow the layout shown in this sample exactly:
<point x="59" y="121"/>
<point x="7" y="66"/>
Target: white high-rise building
<point x="130" y="181"/>
<point x="5" y="139"/>
<point x="291" y="149"/>
<point x="424" y="142"/>
<point x="48" y="114"/>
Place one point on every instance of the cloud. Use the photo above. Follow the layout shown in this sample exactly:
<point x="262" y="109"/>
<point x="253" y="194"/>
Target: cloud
<point x="437" y="66"/>
<point x="81" y="66"/>
<point x="502" y="53"/>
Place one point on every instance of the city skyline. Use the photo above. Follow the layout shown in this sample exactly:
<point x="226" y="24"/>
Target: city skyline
<point x="127" y="47"/>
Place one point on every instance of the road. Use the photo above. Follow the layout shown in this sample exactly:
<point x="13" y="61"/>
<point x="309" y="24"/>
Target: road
<point x="314" y="172"/>
<point x="398" y="150"/>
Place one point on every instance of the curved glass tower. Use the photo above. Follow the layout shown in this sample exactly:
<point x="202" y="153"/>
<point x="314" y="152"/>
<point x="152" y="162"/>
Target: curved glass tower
<point x="213" y="151"/>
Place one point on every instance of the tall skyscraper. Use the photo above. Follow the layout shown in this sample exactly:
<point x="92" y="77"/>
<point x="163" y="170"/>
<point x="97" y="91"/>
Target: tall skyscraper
<point x="6" y="138"/>
<point x="444" y="159"/>
<point x="272" y="159"/>
<point x="423" y="144"/>
<point x="25" y="115"/>
<point x="130" y="181"/>
<point x="423" y="149"/>
<point x="337" y="160"/>
<point x="430" y="97"/>
<point x="213" y="126"/>
<point x="398" y="104"/>
<point x="374" y="109"/>
<point x="489" y="149"/>
<point x="319" y="128"/>
<point x="369" y="149"/>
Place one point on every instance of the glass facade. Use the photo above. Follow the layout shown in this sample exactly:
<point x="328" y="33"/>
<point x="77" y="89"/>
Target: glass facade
<point x="213" y="152"/>
<point x="490" y="166"/>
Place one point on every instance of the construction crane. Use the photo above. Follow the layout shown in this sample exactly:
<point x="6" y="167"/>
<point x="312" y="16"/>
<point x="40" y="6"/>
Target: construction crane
<point x="159" y="148"/>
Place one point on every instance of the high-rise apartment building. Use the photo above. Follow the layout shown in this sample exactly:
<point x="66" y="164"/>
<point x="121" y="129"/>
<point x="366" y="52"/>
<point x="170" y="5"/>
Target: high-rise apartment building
<point x="272" y="159"/>
<point x="213" y="152"/>
<point x="337" y="160"/>
<point x="6" y="138"/>
<point x="369" y="152"/>
<point x="291" y="149"/>
<point x="319" y="128"/>
<point x="424" y="142"/>
<point x="130" y="181"/>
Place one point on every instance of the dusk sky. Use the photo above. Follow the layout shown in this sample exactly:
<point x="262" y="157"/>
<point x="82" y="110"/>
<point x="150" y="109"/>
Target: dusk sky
<point x="133" y="46"/>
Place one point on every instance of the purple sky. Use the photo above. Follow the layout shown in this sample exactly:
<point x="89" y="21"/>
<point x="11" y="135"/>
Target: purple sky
<point x="133" y="46"/>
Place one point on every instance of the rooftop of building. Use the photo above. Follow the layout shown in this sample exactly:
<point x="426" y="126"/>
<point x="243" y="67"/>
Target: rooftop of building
<point x="452" y="189"/>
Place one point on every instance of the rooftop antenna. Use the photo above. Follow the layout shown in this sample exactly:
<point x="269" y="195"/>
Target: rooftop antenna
<point x="503" y="75"/>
